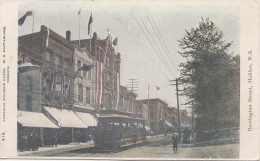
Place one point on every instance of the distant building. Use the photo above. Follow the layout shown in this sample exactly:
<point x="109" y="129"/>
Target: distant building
<point x="157" y="114"/>
<point x="143" y="111"/>
<point x="127" y="100"/>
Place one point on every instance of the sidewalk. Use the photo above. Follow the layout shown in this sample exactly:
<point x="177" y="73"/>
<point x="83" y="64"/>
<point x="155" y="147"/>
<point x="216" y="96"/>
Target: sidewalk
<point x="55" y="150"/>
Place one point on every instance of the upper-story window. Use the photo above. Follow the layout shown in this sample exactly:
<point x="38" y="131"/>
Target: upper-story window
<point x="79" y="66"/>
<point x="89" y="74"/>
<point x="48" y="90"/>
<point x="80" y="92"/>
<point x="101" y="55"/>
<point x="108" y="61"/>
<point x="29" y="83"/>
<point x="29" y="103"/>
<point x="115" y="82"/>
<point x="58" y="62"/>
<point x="108" y="78"/>
<point x="49" y="58"/>
<point x="58" y="91"/>
<point x="116" y="67"/>
<point x="87" y="95"/>
<point x="67" y="64"/>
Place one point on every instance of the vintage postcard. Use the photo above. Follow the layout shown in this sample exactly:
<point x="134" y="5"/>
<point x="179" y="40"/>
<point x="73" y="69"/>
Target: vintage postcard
<point x="105" y="80"/>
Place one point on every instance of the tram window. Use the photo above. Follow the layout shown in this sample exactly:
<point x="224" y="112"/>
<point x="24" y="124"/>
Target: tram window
<point x="116" y="123"/>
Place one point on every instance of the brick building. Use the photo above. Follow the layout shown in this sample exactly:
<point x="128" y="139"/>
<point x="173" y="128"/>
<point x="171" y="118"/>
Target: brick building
<point x="107" y="71"/>
<point x="157" y="114"/>
<point x="127" y="100"/>
<point x="52" y="83"/>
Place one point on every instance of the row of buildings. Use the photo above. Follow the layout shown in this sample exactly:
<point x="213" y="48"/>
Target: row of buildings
<point x="64" y="84"/>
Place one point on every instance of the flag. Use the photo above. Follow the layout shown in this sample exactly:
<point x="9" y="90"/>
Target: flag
<point x="79" y="11"/>
<point x="89" y="23"/>
<point x="22" y="19"/>
<point x="115" y="41"/>
<point x="157" y="88"/>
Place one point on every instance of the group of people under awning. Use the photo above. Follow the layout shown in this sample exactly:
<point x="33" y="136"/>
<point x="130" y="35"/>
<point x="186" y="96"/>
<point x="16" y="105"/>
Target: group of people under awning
<point x="53" y="126"/>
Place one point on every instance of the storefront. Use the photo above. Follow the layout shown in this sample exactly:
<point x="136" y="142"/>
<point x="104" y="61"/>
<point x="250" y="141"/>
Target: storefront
<point x="70" y="124"/>
<point x="31" y="127"/>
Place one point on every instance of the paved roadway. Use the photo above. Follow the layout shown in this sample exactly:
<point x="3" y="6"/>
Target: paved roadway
<point x="157" y="147"/>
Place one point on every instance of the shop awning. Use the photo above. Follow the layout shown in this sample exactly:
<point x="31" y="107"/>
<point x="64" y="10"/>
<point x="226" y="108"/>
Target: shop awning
<point x="34" y="119"/>
<point x="65" y="118"/>
<point x="87" y="118"/>
<point x="168" y="124"/>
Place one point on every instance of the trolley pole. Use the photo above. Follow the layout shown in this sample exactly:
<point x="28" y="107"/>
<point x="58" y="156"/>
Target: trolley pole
<point x="178" y="108"/>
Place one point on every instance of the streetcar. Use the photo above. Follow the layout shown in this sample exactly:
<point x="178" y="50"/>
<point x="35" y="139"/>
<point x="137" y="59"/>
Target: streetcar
<point x="115" y="131"/>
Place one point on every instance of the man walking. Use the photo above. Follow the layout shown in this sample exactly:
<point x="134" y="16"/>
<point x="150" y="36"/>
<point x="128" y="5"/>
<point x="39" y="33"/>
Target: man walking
<point x="174" y="143"/>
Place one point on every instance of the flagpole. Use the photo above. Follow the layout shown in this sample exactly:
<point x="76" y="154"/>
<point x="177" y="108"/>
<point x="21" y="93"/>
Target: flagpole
<point x="79" y="27"/>
<point x="33" y="21"/>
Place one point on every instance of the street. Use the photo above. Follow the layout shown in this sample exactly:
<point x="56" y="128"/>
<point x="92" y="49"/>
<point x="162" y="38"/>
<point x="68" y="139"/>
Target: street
<point x="156" y="147"/>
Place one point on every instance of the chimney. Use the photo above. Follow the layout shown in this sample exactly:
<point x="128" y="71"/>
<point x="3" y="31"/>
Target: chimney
<point x="68" y="35"/>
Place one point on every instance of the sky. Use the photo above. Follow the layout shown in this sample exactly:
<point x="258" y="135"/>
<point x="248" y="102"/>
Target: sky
<point x="147" y="33"/>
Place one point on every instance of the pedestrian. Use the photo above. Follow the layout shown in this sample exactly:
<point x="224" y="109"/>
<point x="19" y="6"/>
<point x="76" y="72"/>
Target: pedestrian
<point x="174" y="143"/>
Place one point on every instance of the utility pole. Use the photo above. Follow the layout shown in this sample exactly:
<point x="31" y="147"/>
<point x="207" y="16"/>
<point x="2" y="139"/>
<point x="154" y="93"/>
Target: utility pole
<point x="178" y="108"/>
<point x="132" y="85"/>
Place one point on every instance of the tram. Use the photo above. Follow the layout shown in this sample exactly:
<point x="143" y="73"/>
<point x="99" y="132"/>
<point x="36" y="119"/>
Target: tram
<point x="115" y="131"/>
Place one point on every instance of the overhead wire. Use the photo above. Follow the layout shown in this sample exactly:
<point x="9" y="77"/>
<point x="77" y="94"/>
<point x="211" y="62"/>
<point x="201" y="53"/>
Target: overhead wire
<point x="161" y="59"/>
<point x="162" y="43"/>
<point x="131" y="35"/>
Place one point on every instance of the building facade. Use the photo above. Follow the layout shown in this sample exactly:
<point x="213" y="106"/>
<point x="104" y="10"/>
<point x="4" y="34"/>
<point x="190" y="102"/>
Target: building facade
<point x="127" y="100"/>
<point x="107" y="71"/>
<point x="53" y="52"/>
<point x="143" y="111"/>
<point x="157" y="114"/>
<point x="46" y="87"/>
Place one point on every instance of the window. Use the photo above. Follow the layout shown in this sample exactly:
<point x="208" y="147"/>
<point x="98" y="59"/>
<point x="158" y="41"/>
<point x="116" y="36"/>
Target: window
<point x="115" y="82"/>
<point x="84" y="73"/>
<point x="48" y="90"/>
<point x="29" y="83"/>
<point x="67" y="64"/>
<point x="58" y="91"/>
<point x="67" y="93"/>
<point x="87" y="95"/>
<point x="108" y="101"/>
<point x="108" y="79"/>
<point x="101" y="56"/>
<point x="79" y="66"/>
<point x="89" y="74"/>
<point x="108" y="61"/>
<point x="80" y="93"/>
<point x="49" y="58"/>
<point x="29" y="103"/>
<point x="116" y="67"/>
<point x="58" y="61"/>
